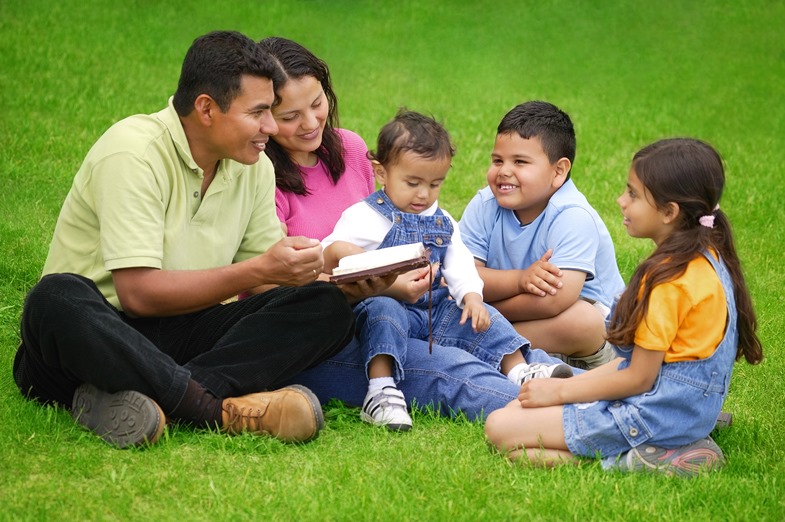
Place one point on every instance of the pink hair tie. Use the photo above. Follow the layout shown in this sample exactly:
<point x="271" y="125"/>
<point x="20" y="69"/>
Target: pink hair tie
<point x="706" y="221"/>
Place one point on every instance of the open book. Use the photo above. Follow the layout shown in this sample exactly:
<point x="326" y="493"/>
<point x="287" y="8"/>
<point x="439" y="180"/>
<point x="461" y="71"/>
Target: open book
<point x="381" y="262"/>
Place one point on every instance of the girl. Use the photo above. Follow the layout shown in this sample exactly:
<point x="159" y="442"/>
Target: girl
<point x="654" y="407"/>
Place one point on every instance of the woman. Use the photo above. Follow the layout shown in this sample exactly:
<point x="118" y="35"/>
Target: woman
<point x="320" y="171"/>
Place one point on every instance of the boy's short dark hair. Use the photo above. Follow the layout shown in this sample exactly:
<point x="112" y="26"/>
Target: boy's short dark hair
<point x="215" y="64"/>
<point x="413" y="132"/>
<point x="545" y="121"/>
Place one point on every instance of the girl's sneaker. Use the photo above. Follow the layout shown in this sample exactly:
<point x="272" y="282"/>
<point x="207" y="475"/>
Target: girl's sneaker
<point x="685" y="461"/>
<point x="386" y="407"/>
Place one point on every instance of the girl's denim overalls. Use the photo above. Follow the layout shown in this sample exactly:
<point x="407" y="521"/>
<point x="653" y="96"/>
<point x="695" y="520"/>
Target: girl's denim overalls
<point x="681" y="408"/>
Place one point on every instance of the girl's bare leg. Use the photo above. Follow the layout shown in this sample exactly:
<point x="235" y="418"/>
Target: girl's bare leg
<point x="534" y="433"/>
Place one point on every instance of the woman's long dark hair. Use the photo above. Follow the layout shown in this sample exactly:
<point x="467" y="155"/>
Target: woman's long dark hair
<point x="298" y="62"/>
<point x="687" y="172"/>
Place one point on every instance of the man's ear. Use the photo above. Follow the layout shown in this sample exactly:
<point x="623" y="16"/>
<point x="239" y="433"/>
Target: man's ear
<point x="670" y="213"/>
<point x="561" y="169"/>
<point x="379" y="172"/>
<point x="204" y="108"/>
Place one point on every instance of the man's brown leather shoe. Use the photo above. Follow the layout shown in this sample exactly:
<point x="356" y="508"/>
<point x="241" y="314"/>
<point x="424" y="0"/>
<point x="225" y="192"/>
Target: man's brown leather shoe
<point x="292" y="414"/>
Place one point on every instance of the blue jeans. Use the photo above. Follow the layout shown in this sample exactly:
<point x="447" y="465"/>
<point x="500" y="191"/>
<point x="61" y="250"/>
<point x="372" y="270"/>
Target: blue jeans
<point x="448" y="379"/>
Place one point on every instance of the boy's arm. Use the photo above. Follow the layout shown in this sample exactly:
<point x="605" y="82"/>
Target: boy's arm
<point x="541" y="278"/>
<point x="527" y="307"/>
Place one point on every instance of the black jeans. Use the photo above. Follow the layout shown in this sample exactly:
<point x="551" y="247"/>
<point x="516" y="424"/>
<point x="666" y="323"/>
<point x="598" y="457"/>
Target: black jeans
<point x="71" y="335"/>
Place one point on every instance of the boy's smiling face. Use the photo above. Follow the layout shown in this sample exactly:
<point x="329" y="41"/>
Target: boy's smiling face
<point x="521" y="176"/>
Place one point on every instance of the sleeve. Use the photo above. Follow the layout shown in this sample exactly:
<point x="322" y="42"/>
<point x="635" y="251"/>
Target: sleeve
<point x="574" y="238"/>
<point x="360" y="225"/>
<point x="474" y="229"/>
<point x="281" y="205"/>
<point x="658" y="329"/>
<point x="264" y="226"/>
<point x="129" y="204"/>
<point x="459" y="270"/>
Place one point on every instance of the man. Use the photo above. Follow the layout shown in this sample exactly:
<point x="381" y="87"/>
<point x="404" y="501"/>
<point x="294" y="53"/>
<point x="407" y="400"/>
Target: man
<point x="169" y="215"/>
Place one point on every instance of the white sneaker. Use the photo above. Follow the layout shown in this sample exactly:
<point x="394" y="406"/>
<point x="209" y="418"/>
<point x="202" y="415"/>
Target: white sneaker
<point x="387" y="408"/>
<point x="540" y="371"/>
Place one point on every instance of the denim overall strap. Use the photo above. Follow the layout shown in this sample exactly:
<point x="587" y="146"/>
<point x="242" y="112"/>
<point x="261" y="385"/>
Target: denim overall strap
<point x="435" y="231"/>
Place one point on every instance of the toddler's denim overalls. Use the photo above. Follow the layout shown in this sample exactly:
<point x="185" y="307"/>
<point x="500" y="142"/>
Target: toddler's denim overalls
<point x="681" y="408"/>
<point x="384" y="323"/>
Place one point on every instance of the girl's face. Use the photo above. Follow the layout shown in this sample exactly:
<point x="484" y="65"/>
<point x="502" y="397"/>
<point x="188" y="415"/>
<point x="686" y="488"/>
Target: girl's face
<point x="301" y="116"/>
<point x="641" y="216"/>
<point x="413" y="182"/>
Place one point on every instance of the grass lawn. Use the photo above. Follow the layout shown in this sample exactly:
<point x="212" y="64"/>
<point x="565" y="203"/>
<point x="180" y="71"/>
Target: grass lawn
<point x="628" y="73"/>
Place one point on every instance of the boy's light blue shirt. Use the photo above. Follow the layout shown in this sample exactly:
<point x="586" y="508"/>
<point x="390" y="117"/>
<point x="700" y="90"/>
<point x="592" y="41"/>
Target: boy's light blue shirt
<point x="568" y="225"/>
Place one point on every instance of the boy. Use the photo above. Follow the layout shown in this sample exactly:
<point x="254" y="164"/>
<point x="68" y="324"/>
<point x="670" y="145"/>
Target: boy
<point x="532" y="215"/>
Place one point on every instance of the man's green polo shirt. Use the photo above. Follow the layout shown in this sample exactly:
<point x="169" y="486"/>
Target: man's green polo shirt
<point x="136" y="202"/>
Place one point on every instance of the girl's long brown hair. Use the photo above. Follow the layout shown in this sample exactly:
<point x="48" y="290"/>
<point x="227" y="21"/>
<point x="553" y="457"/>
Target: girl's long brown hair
<point x="690" y="173"/>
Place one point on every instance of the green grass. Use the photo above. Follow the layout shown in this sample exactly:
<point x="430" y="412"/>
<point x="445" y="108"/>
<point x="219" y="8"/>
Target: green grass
<point x="627" y="72"/>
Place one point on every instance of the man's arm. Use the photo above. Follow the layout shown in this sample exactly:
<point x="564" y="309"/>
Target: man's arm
<point x="148" y="292"/>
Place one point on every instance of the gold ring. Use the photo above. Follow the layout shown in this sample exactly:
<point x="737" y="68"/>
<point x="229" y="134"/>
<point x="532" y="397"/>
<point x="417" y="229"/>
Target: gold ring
<point x="314" y="272"/>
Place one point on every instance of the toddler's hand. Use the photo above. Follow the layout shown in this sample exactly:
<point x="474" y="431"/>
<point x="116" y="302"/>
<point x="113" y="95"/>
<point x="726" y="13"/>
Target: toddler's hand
<point x="412" y="285"/>
<point x="473" y="307"/>
<point x="541" y="278"/>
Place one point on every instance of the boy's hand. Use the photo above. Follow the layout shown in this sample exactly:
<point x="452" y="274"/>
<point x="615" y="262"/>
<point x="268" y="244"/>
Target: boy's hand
<point x="542" y="277"/>
<point x="473" y="307"/>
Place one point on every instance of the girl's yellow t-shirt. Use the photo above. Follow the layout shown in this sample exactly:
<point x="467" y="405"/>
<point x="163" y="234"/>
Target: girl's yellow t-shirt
<point x="687" y="316"/>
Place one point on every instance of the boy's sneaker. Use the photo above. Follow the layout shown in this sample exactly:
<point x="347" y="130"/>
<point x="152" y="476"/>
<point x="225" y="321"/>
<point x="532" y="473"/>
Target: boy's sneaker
<point x="540" y="371"/>
<point x="387" y="407"/>
<point x="123" y="419"/>
<point x="685" y="461"/>
<point x="291" y="414"/>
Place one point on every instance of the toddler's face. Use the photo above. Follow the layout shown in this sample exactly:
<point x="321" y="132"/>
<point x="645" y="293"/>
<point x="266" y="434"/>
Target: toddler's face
<point x="413" y="183"/>
<point x="521" y="176"/>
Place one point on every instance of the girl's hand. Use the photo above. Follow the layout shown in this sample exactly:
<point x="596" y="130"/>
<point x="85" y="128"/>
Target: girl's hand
<point x="541" y="278"/>
<point x="473" y="307"/>
<point x="537" y="393"/>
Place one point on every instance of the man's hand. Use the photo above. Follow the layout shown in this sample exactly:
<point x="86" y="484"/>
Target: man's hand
<point x="292" y="261"/>
<point x="542" y="277"/>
